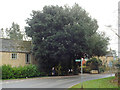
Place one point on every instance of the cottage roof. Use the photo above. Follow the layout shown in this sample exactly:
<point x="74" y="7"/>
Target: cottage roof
<point x="8" y="45"/>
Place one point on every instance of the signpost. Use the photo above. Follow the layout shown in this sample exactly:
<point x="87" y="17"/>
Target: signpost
<point x="80" y="60"/>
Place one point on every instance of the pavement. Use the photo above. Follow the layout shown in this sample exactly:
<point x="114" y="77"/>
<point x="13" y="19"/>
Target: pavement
<point x="51" y="82"/>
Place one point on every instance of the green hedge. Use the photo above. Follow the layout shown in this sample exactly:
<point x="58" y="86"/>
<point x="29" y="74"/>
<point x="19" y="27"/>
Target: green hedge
<point x="9" y="72"/>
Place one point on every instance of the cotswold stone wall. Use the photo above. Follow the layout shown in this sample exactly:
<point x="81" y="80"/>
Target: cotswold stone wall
<point x="6" y="58"/>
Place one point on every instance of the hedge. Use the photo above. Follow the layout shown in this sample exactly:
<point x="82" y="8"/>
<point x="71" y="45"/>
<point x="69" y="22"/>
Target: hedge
<point x="9" y="72"/>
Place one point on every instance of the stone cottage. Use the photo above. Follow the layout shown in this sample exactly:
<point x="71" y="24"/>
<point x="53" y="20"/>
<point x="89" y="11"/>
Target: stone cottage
<point x="15" y="53"/>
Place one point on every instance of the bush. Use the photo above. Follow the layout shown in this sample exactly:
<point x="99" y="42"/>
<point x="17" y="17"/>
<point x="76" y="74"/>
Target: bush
<point x="9" y="72"/>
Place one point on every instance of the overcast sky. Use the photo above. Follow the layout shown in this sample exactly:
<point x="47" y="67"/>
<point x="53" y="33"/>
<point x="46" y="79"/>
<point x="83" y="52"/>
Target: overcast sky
<point x="105" y="11"/>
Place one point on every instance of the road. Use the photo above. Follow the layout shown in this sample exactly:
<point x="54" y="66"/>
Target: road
<point x="51" y="82"/>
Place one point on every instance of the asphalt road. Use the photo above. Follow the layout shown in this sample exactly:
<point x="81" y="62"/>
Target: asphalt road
<point x="51" y="82"/>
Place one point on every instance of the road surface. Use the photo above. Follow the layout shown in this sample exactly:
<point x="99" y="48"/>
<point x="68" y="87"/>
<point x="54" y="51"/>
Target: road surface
<point x="51" y="82"/>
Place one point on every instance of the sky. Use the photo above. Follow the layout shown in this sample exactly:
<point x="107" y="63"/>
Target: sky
<point x="104" y="11"/>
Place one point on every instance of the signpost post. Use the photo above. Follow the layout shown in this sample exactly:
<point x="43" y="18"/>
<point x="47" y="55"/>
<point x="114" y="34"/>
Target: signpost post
<point x="78" y="60"/>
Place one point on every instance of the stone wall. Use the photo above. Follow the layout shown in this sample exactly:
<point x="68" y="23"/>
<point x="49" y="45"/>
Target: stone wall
<point x="6" y="58"/>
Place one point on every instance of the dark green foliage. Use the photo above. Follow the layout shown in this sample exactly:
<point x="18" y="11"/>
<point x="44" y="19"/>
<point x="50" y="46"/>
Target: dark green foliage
<point x="62" y="34"/>
<point x="94" y="63"/>
<point x="98" y="44"/>
<point x="9" y="72"/>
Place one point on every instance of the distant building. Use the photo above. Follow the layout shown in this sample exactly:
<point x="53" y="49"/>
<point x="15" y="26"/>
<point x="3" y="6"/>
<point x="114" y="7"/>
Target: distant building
<point x="108" y="58"/>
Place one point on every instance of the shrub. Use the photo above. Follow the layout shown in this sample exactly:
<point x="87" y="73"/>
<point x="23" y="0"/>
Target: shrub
<point x="31" y="71"/>
<point x="9" y="72"/>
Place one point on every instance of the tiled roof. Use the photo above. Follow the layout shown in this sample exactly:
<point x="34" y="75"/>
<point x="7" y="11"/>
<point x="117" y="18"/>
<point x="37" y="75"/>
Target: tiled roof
<point x="7" y="45"/>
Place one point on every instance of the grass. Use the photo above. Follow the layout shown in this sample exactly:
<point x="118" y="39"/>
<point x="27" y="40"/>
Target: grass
<point x="98" y="83"/>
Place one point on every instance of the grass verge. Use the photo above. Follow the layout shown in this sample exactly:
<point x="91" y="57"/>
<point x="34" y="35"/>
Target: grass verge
<point x="98" y="83"/>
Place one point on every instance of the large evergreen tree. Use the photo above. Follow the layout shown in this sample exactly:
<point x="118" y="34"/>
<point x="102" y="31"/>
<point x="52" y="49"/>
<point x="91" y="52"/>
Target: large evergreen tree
<point x="62" y="34"/>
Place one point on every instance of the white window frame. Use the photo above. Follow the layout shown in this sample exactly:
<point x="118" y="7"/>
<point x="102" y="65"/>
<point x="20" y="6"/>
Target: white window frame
<point x="15" y="56"/>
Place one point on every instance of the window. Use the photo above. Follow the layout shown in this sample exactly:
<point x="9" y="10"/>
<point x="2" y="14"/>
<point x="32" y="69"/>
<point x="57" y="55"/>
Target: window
<point x="27" y="58"/>
<point x="14" y="55"/>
